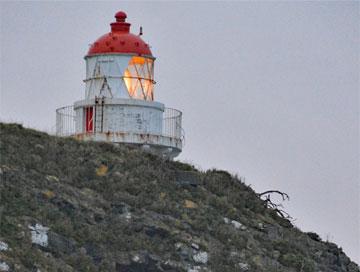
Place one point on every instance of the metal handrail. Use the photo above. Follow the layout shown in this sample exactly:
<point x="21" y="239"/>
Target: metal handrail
<point x="121" y="77"/>
<point x="171" y="123"/>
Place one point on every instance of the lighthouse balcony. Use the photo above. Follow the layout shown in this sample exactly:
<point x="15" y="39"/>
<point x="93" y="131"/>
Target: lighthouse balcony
<point x="147" y="124"/>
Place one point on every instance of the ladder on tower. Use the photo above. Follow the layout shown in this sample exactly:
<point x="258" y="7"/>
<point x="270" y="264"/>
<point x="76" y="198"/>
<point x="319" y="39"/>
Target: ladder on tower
<point x="99" y="114"/>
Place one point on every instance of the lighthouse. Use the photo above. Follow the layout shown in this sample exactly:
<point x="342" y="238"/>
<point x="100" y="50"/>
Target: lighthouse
<point x="119" y="103"/>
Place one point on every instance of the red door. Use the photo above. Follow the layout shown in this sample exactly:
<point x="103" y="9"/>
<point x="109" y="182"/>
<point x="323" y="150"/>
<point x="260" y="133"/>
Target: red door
<point x="89" y="114"/>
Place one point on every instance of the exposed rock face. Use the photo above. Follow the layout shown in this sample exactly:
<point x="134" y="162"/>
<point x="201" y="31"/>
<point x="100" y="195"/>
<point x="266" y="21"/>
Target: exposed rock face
<point x="80" y="206"/>
<point x="3" y="246"/>
<point x="39" y="235"/>
<point x="201" y="257"/>
<point x="4" y="266"/>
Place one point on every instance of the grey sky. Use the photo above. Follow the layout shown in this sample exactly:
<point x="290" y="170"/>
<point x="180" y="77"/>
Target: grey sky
<point x="269" y="90"/>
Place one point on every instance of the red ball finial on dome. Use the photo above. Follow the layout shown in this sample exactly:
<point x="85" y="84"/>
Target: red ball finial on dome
<point x="120" y="40"/>
<point x="120" y="16"/>
<point x="120" y="24"/>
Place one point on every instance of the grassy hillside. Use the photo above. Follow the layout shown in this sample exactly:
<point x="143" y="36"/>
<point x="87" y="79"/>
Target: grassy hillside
<point x="67" y="205"/>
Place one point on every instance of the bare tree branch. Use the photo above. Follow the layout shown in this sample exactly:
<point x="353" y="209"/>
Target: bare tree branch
<point x="284" y="196"/>
<point x="277" y="207"/>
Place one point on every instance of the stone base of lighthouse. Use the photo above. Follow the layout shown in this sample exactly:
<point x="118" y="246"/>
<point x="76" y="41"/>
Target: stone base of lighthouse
<point x="142" y="123"/>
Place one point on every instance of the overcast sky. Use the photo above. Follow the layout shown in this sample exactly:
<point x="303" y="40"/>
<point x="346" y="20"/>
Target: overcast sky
<point x="269" y="90"/>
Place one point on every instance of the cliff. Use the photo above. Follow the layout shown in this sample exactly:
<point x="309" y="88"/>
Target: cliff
<point x="67" y="205"/>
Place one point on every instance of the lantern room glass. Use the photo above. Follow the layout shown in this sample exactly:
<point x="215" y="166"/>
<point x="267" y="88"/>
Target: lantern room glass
<point x="139" y="78"/>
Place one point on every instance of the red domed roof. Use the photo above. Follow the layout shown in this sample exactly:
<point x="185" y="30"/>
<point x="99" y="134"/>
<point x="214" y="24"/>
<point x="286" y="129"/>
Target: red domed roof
<point x="120" y="40"/>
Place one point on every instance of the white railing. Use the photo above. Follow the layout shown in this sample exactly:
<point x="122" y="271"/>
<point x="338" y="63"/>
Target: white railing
<point x="171" y="123"/>
<point x="65" y="121"/>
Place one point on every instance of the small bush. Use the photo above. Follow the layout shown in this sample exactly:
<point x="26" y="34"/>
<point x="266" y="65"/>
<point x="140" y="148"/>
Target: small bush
<point x="314" y="236"/>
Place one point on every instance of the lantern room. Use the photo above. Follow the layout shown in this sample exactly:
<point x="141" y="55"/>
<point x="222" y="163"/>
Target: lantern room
<point x="116" y="75"/>
<point x="119" y="104"/>
<point x="120" y="61"/>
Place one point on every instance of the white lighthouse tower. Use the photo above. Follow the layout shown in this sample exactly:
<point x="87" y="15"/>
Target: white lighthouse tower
<point x="119" y="103"/>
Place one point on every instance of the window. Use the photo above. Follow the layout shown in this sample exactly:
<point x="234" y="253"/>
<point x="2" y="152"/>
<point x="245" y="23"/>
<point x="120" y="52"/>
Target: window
<point x="139" y="78"/>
